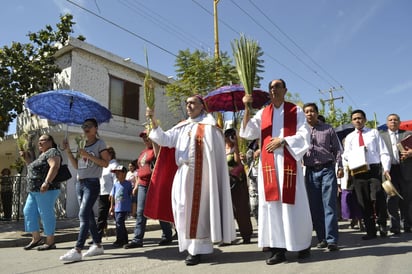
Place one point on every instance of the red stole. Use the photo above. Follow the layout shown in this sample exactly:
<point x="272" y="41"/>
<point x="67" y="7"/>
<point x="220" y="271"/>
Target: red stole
<point x="197" y="184"/>
<point x="270" y="180"/>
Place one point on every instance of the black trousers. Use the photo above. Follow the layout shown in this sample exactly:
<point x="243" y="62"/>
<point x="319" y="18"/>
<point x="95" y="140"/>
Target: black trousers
<point x="7" y="203"/>
<point x="395" y="204"/>
<point x="371" y="198"/>
<point x="102" y="213"/>
<point x="241" y="209"/>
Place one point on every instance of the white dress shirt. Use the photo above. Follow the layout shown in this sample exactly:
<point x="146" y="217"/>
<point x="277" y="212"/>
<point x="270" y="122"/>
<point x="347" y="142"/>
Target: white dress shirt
<point x="394" y="141"/>
<point x="376" y="150"/>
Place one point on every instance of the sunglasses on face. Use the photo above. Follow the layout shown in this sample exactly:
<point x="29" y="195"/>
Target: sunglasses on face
<point x="276" y="86"/>
<point x="87" y="126"/>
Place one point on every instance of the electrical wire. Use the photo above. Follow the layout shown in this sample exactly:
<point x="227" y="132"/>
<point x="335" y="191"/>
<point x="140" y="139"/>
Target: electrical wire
<point x="281" y="43"/>
<point x="162" y="22"/>
<point x="271" y="57"/>
<point x="122" y="28"/>
<point x="301" y="49"/>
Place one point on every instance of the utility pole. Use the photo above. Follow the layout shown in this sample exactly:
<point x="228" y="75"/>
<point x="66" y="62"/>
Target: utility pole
<point x="220" y="121"/>
<point x="331" y="100"/>
<point x="216" y="28"/>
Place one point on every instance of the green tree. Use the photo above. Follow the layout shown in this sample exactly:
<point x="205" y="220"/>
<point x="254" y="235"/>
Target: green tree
<point x="196" y="73"/>
<point x="200" y="73"/>
<point x="29" y="68"/>
<point x="335" y="116"/>
<point x="294" y="98"/>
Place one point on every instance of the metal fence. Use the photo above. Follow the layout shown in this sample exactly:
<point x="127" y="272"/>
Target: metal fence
<point x="19" y="195"/>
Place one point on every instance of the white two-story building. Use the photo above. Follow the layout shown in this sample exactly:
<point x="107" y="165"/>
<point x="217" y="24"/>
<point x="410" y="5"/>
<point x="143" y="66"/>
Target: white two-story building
<point x="117" y="84"/>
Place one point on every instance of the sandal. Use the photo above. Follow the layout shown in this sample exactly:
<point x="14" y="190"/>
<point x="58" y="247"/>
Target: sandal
<point x="46" y="247"/>
<point x="33" y="244"/>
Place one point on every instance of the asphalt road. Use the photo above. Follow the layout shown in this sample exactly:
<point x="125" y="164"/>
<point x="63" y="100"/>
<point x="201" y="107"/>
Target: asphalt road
<point x="381" y="255"/>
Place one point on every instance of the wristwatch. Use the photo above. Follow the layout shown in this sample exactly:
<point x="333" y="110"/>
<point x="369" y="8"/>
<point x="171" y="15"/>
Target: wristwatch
<point x="282" y="142"/>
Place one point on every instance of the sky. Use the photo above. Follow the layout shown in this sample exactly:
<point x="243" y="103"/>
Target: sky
<point x="360" y="50"/>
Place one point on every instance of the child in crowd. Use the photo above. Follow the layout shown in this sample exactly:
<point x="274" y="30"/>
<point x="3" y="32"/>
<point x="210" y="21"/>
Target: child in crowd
<point x="121" y="203"/>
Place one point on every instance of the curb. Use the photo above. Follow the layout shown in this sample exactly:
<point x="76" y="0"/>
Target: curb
<point x="67" y="234"/>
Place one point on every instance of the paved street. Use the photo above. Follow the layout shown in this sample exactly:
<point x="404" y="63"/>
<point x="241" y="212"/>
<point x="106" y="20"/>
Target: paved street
<point x="381" y="255"/>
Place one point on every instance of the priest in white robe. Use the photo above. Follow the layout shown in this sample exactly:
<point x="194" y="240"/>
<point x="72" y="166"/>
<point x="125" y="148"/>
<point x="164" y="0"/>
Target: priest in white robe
<point x="284" y="221"/>
<point x="201" y="199"/>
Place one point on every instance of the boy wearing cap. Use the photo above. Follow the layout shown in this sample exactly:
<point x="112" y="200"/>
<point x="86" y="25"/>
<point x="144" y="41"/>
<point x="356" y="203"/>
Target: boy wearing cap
<point x="121" y="203"/>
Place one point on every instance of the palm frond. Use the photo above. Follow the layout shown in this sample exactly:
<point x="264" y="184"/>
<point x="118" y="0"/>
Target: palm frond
<point x="246" y="52"/>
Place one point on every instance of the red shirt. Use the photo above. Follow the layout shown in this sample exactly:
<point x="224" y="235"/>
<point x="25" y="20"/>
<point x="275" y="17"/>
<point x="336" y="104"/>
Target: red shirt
<point x="145" y="164"/>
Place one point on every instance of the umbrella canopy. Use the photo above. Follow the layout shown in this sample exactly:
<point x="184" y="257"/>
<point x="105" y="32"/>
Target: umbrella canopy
<point x="67" y="106"/>
<point x="344" y="130"/>
<point x="229" y="98"/>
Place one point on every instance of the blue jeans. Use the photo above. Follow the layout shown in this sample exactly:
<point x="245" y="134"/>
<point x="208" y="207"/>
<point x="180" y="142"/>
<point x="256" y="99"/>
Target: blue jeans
<point x="41" y="205"/>
<point x="322" y="191"/>
<point x="121" y="231"/>
<point x="141" y="220"/>
<point x="87" y="192"/>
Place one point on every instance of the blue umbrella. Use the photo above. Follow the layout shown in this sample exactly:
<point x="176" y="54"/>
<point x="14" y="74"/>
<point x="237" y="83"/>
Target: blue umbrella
<point x="67" y="106"/>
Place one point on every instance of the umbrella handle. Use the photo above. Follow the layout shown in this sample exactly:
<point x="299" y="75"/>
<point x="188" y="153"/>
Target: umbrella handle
<point x="65" y="137"/>
<point x="67" y="130"/>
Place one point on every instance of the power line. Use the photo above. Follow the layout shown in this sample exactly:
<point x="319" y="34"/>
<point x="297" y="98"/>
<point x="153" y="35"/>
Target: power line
<point x="271" y="57"/>
<point x="211" y="14"/>
<point x="281" y="43"/>
<point x="122" y="28"/>
<point x="293" y="42"/>
<point x="303" y="51"/>
<point x="162" y="22"/>
<point x="291" y="71"/>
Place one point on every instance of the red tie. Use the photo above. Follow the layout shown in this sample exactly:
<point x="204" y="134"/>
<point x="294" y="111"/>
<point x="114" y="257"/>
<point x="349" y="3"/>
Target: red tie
<point x="361" y="142"/>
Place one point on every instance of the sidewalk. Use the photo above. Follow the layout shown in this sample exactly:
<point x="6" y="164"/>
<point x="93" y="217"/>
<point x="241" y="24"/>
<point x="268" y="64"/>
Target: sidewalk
<point x="12" y="233"/>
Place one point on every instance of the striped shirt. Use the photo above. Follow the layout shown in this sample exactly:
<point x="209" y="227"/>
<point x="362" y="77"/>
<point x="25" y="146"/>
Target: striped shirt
<point x="324" y="146"/>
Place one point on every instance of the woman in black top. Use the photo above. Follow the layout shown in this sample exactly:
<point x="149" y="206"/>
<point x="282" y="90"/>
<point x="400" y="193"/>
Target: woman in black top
<point x="42" y="193"/>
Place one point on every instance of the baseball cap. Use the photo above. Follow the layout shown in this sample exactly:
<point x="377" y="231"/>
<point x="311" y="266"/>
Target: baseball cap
<point x="119" y="168"/>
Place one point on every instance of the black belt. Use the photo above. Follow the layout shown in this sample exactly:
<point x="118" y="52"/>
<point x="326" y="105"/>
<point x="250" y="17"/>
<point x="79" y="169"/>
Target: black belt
<point x="318" y="167"/>
<point x="373" y="166"/>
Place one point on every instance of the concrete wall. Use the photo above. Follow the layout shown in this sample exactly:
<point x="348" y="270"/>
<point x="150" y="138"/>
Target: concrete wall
<point x="87" y="68"/>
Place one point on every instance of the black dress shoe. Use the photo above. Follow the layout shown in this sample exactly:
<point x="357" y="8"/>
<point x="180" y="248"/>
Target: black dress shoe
<point x="303" y="254"/>
<point x="31" y="245"/>
<point x="133" y="245"/>
<point x="407" y="230"/>
<point x="277" y="258"/>
<point x="395" y="231"/>
<point x="383" y="230"/>
<point x="368" y="237"/>
<point x="222" y="244"/>
<point x="246" y="240"/>
<point x="118" y="244"/>
<point x="192" y="259"/>
<point x="333" y="247"/>
<point x="322" y="244"/>
<point x="165" y="241"/>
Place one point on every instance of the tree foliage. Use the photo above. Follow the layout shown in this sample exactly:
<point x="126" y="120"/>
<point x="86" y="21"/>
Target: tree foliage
<point x="199" y="73"/>
<point x="29" y="68"/>
<point x="335" y="116"/>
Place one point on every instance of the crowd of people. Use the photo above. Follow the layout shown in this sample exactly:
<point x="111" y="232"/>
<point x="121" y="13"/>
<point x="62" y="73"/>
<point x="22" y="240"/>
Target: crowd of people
<point x="289" y="180"/>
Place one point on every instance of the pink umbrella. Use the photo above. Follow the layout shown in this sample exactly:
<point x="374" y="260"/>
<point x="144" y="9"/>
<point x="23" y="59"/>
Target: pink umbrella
<point x="229" y="98"/>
